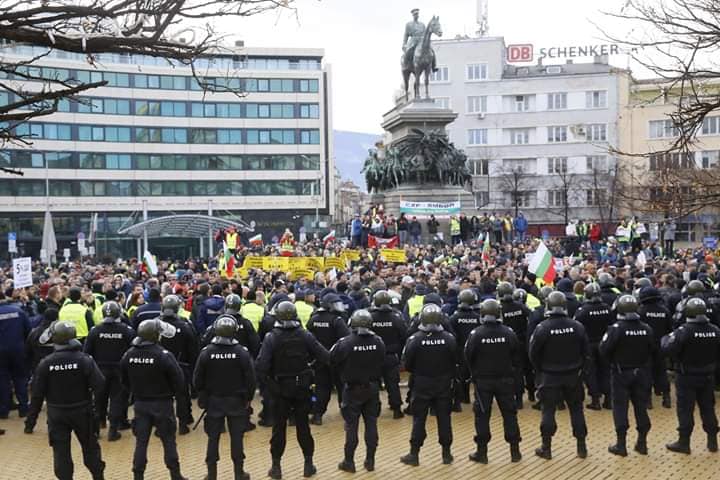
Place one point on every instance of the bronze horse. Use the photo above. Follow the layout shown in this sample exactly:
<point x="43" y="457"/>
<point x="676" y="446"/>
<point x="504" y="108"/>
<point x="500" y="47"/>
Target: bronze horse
<point x="419" y="60"/>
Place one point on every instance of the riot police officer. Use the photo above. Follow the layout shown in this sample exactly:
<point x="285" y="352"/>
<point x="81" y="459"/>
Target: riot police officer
<point x="696" y="347"/>
<point x="359" y="359"/>
<point x="493" y="354"/>
<point x="608" y="292"/>
<point x="629" y="346"/>
<point x="284" y="362"/>
<point x="654" y="312"/>
<point x="465" y="319"/>
<point x="328" y="326"/>
<point x="389" y="324"/>
<point x="153" y="376"/>
<point x="184" y="346"/>
<point x="224" y="378"/>
<point x="538" y="315"/>
<point x="558" y="349"/>
<point x="515" y="315"/>
<point x="595" y="316"/>
<point x="431" y="356"/>
<point x="245" y="333"/>
<point x="67" y="378"/>
<point x="694" y="289"/>
<point x="107" y="343"/>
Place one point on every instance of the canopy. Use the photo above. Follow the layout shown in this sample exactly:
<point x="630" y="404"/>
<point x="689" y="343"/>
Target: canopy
<point x="189" y="226"/>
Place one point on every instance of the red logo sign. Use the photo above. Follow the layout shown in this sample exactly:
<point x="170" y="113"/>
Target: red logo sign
<point x="520" y="53"/>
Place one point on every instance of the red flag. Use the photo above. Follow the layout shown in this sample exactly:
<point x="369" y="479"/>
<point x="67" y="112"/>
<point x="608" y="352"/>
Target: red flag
<point x="378" y="242"/>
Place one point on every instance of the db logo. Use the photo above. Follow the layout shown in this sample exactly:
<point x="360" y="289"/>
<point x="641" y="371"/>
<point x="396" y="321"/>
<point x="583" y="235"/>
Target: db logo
<point x="520" y="53"/>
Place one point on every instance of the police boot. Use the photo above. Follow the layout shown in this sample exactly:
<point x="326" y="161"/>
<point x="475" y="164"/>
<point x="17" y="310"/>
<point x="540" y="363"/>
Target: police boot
<point x="113" y="434"/>
<point x="681" y="446"/>
<point x="211" y="471"/>
<point x="175" y="473"/>
<point x="412" y="458"/>
<point x="480" y="455"/>
<point x="99" y="475"/>
<point x="240" y="474"/>
<point x="581" y="448"/>
<point x="316" y="419"/>
<point x="712" y="443"/>
<point x="666" y="402"/>
<point x="545" y="450"/>
<point x="275" y="471"/>
<point x="369" y="463"/>
<point x="309" y="469"/>
<point x="537" y="406"/>
<point x="347" y="465"/>
<point x="397" y="413"/>
<point x="515" y="455"/>
<point x="594" y="403"/>
<point x="138" y="475"/>
<point x="447" y="456"/>
<point x="641" y="444"/>
<point x="607" y="404"/>
<point x="620" y="447"/>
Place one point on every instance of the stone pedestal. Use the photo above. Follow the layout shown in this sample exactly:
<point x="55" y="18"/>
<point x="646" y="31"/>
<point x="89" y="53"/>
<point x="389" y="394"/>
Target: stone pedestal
<point x="424" y="114"/>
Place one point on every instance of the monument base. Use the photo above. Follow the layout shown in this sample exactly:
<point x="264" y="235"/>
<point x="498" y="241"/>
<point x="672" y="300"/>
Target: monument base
<point x="423" y="114"/>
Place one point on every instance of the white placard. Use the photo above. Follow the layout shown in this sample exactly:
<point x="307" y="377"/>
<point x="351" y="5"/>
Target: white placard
<point x="22" y="272"/>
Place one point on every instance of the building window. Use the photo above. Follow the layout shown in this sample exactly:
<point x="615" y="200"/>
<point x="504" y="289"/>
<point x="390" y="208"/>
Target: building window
<point x="596" y="99"/>
<point x="710" y="126"/>
<point x="557" y="165"/>
<point x="710" y="158"/>
<point x="596" y="132"/>
<point x="557" y="101"/>
<point x="443" y="102"/>
<point x="594" y="198"/>
<point x="673" y="161"/>
<point x="481" y="167"/>
<point x="519" y="136"/>
<point x="521" y="103"/>
<point x="557" y="134"/>
<point x="596" y="163"/>
<point x="476" y="71"/>
<point x="525" y="199"/>
<point x="556" y="198"/>
<point x="666" y="129"/>
<point x="441" y="76"/>
<point x="478" y="136"/>
<point x="477" y="104"/>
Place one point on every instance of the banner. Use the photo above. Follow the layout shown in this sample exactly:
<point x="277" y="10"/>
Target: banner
<point x="425" y="209"/>
<point x="301" y="273"/>
<point x="315" y="263"/>
<point x="22" y="272"/>
<point x="253" y="262"/>
<point x="393" y="255"/>
<point x="335" y="262"/>
<point x="276" y="263"/>
<point x="351" y="255"/>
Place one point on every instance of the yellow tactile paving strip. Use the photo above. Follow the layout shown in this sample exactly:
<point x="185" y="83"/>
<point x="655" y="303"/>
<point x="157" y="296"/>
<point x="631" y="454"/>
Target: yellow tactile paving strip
<point x="29" y="456"/>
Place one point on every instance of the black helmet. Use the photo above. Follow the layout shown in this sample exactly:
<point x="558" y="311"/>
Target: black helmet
<point x="695" y="310"/>
<point x="332" y="303"/>
<point x="556" y="303"/>
<point x="592" y="291"/>
<point x="605" y="280"/>
<point x="544" y="292"/>
<point x="643" y="282"/>
<point x="627" y="306"/>
<point x="233" y="303"/>
<point x="111" y="311"/>
<point x="520" y="295"/>
<point x="648" y="294"/>
<point x="59" y="333"/>
<point x="491" y="310"/>
<point x="505" y="291"/>
<point x="152" y="330"/>
<point x="430" y="318"/>
<point x="361" y="319"/>
<point x="285" y="311"/>
<point x="467" y="297"/>
<point x="381" y="297"/>
<point x="695" y="287"/>
<point x="225" y="327"/>
<point x="170" y="305"/>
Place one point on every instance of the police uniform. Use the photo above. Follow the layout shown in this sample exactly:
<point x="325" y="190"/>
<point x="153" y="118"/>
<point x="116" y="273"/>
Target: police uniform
<point x="463" y="321"/>
<point x="225" y="380"/>
<point x="66" y="378"/>
<point x="595" y="316"/>
<point x="245" y="335"/>
<point x="14" y="328"/>
<point x="655" y="313"/>
<point x="389" y="325"/>
<point x="184" y="346"/>
<point x="359" y="358"/>
<point x="152" y="375"/>
<point x="515" y="315"/>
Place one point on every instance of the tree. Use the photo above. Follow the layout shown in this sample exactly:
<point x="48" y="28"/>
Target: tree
<point x="168" y="29"/>
<point x="512" y="181"/>
<point x="567" y="185"/>
<point x="607" y="192"/>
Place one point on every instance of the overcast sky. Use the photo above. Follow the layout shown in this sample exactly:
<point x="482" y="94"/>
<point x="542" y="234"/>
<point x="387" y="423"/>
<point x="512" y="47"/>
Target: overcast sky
<point x="363" y="39"/>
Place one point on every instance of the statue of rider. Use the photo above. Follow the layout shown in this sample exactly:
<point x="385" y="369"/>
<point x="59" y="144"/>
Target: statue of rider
<point x="413" y="37"/>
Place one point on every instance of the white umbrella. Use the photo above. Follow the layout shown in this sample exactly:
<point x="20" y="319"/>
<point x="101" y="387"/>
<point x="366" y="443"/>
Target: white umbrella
<point x="49" y="242"/>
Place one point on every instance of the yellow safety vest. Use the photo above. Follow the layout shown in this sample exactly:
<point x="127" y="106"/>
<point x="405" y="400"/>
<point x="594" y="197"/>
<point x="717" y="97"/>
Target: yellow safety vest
<point x="184" y="314"/>
<point x="131" y="311"/>
<point x="74" y="313"/>
<point x="532" y="301"/>
<point x="415" y="304"/>
<point x="254" y="313"/>
<point x="304" y="312"/>
<point x="231" y="240"/>
<point x="454" y="227"/>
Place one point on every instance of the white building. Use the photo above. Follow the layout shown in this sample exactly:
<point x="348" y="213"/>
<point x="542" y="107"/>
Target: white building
<point x="537" y="137"/>
<point x="153" y="140"/>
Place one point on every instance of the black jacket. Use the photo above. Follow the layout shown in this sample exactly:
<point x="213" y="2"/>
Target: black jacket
<point x="358" y="358"/>
<point x="150" y="372"/>
<point x="225" y="379"/>
<point x="559" y="346"/>
<point x="493" y="350"/>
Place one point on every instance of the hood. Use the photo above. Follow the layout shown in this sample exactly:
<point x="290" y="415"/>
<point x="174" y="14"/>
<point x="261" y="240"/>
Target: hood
<point x="565" y="285"/>
<point x="214" y="303"/>
<point x="420" y="289"/>
<point x="277" y="298"/>
<point x="433" y="298"/>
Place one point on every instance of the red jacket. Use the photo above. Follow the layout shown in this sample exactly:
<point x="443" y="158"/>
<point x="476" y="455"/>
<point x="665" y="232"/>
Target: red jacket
<point x="595" y="233"/>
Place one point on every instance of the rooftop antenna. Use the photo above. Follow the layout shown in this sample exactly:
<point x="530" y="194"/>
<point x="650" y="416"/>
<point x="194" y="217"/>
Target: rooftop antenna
<point x="482" y="18"/>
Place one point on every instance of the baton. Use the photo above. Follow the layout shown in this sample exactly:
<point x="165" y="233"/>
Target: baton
<point x="202" y="415"/>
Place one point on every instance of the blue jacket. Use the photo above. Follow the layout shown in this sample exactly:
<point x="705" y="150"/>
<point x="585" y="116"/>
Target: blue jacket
<point x="356" y="228"/>
<point x="521" y="224"/>
<point x="14" y="328"/>
<point x="210" y="310"/>
<point x="147" y="311"/>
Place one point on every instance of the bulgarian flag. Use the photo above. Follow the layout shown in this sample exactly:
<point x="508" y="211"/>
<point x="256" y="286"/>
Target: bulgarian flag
<point x="149" y="263"/>
<point x="378" y="242"/>
<point x="542" y="264"/>
<point x="486" y="248"/>
<point x="229" y="261"/>
<point x="329" y="237"/>
<point x="256" y="241"/>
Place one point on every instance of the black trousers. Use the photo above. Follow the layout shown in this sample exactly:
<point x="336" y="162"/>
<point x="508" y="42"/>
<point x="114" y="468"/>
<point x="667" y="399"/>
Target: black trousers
<point x="631" y="386"/>
<point x="462" y="387"/>
<point x="296" y="403"/>
<point x="391" y="379"/>
<point x="503" y="391"/>
<point x="158" y="414"/>
<point x="325" y="380"/>
<point x="62" y="423"/>
<point x="660" y="380"/>
<point x="361" y="401"/>
<point x="421" y="406"/>
<point x="113" y="394"/>
<point x="554" y="389"/>
<point x="184" y="404"/>
<point x="236" y="428"/>
<point x="692" y="389"/>
<point x="597" y="373"/>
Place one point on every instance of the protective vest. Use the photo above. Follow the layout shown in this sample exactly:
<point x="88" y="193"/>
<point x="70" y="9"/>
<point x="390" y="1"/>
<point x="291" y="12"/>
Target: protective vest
<point x="291" y="356"/>
<point x="254" y="313"/>
<point x="97" y="313"/>
<point x="74" y="313"/>
<point x="415" y="304"/>
<point x="184" y="314"/>
<point x="304" y="311"/>
<point x="532" y="301"/>
<point x="454" y="227"/>
<point x="231" y="240"/>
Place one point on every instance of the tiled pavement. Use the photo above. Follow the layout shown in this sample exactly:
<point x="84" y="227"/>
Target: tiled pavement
<point x="29" y="456"/>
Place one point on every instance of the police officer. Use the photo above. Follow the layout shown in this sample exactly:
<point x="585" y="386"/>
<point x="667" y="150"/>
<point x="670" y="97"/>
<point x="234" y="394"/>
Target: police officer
<point x="359" y="359"/>
<point x="328" y="326"/>
<point x="694" y="289"/>
<point x="184" y="346"/>
<point x="595" y="316"/>
<point x="493" y="354"/>
<point x="67" y="378"/>
<point x="225" y="381"/>
<point x="558" y="349"/>
<point x="284" y="362"/>
<point x="153" y="376"/>
<point x="465" y="319"/>
<point x="696" y="348"/>
<point x="14" y="328"/>
<point x="537" y="316"/>
<point x="245" y="334"/>
<point x="515" y="315"/>
<point x="609" y="292"/>
<point x="431" y="356"/>
<point x="629" y="346"/>
<point x="389" y="324"/>
<point x="107" y="343"/>
<point x="654" y="312"/>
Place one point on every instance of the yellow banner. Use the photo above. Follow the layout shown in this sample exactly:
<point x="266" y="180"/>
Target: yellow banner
<point x="300" y="273"/>
<point x="253" y="262"/>
<point x="393" y="255"/>
<point x="315" y="263"/>
<point x="276" y="263"/>
<point x="296" y="263"/>
<point x="351" y="255"/>
<point x="335" y="262"/>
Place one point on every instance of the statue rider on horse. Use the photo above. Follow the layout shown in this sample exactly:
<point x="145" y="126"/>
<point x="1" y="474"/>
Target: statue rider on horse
<point x="414" y="32"/>
<point x="418" y="56"/>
